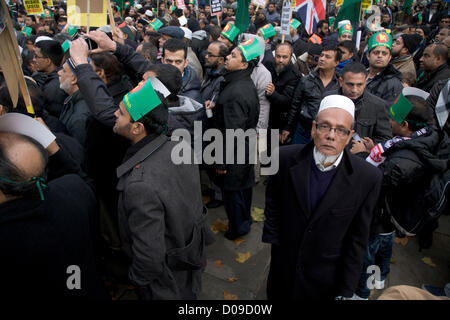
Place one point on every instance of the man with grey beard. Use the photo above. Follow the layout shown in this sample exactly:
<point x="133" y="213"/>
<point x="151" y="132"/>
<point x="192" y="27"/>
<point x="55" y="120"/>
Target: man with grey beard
<point x="75" y="113"/>
<point x="279" y="92"/>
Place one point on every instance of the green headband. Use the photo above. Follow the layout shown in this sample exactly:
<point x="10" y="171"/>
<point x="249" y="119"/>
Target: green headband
<point x="294" y="23"/>
<point x="141" y="100"/>
<point x="251" y="49"/>
<point x="402" y="107"/>
<point x="346" y="28"/>
<point x="230" y="31"/>
<point x="380" y="39"/>
<point x="267" y="31"/>
<point x="156" y="24"/>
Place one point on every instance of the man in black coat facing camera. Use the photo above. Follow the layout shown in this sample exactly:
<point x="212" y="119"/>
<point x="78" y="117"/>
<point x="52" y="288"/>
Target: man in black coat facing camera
<point x="281" y="90"/>
<point x="318" y="211"/>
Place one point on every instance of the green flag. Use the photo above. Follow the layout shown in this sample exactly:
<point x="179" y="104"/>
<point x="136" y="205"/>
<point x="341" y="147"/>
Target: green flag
<point x="242" y="19"/>
<point x="349" y="10"/>
<point x="407" y="6"/>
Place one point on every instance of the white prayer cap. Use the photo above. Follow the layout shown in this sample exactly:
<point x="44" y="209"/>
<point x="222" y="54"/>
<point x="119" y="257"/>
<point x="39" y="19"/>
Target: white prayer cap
<point x="149" y="13"/>
<point x="42" y="38"/>
<point x="337" y="101"/>
<point x="138" y="6"/>
<point x="129" y="19"/>
<point x="105" y="29"/>
<point x="187" y="33"/>
<point x="343" y="22"/>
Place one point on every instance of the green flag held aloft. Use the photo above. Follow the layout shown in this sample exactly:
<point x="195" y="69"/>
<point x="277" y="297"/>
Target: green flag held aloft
<point x="242" y="18"/>
<point x="407" y="6"/>
<point x="349" y="10"/>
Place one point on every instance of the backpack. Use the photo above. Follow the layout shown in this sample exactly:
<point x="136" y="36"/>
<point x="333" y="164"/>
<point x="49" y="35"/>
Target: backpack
<point x="422" y="216"/>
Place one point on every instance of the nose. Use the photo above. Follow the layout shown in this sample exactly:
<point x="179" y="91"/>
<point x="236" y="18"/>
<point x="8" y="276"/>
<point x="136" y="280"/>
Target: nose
<point x="116" y="114"/>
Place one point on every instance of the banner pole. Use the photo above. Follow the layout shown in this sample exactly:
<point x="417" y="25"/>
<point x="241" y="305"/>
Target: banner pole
<point x="112" y="23"/>
<point x="88" y="16"/>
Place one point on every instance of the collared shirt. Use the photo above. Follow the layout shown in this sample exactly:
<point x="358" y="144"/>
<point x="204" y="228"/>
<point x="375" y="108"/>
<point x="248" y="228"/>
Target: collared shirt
<point x="320" y="166"/>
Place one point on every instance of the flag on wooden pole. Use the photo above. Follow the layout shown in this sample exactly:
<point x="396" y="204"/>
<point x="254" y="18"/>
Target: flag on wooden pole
<point x="10" y="60"/>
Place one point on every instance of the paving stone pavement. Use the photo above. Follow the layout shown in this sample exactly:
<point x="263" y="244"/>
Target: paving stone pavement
<point x="407" y="266"/>
<point x="225" y="278"/>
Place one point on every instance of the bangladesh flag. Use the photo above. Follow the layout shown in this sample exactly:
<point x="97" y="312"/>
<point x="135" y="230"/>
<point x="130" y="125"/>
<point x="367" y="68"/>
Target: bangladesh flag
<point x="349" y="10"/>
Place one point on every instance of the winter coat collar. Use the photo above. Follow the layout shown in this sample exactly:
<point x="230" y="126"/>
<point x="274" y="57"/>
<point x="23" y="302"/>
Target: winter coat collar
<point x="236" y="75"/>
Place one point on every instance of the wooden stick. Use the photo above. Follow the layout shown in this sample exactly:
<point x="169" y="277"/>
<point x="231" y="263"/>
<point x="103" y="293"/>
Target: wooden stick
<point x="88" y="16"/>
<point x="282" y="38"/>
<point x="218" y="20"/>
<point x="112" y="23"/>
<point x="157" y="9"/>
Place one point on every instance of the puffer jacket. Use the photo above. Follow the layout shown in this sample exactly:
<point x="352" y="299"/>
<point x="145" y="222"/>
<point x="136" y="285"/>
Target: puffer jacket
<point x="191" y="85"/>
<point x="407" y="171"/>
<point x="387" y="84"/>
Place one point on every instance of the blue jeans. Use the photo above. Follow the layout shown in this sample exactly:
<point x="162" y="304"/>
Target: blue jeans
<point x="301" y="136"/>
<point x="379" y="252"/>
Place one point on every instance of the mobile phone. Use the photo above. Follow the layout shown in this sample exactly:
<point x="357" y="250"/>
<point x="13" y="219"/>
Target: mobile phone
<point x="356" y="137"/>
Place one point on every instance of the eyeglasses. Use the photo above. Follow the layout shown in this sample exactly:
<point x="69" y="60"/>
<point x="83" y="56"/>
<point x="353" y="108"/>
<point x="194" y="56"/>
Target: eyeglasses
<point x="325" y="128"/>
<point x="211" y="55"/>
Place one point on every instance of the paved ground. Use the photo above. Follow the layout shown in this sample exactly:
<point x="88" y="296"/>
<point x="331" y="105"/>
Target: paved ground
<point x="226" y="278"/>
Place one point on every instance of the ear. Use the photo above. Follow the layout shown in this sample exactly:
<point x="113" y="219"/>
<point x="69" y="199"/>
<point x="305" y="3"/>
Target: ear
<point x="137" y="128"/>
<point x="350" y="136"/>
<point x="74" y="80"/>
<point x="313" y="129"/>
<point x="101" y="73"/>
<point x="405" y="125"/>
<point x="186" y="62"/>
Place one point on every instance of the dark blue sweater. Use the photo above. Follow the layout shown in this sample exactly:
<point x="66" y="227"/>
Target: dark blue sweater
<point x="318" y="184"/>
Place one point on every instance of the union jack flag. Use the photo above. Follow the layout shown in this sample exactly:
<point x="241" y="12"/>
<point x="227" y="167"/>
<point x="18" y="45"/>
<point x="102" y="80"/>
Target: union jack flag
<point x="310" y="12"/>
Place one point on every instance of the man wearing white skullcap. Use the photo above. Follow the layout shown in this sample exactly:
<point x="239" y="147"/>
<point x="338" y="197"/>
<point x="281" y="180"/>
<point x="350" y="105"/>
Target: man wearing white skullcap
<point x="318" y="210"/>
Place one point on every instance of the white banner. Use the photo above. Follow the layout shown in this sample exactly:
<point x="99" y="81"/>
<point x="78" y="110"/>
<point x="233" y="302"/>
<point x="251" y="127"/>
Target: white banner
<point x="286" y="18"/>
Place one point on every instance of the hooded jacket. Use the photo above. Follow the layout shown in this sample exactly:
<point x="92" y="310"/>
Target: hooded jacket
<point x="191" y="85"/>
<point x="407" y="172"/>
<point x="387" y="84"/>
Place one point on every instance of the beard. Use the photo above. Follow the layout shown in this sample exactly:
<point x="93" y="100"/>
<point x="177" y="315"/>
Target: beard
<point x="65" y="87"/>
<point x="325" y="159"/>
<point x="280" y="67"/>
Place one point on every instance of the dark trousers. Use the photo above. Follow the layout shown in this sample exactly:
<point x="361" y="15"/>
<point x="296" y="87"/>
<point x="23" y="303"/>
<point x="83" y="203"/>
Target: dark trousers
<point x="237" y="206"/>
<point x="379" y="252"/>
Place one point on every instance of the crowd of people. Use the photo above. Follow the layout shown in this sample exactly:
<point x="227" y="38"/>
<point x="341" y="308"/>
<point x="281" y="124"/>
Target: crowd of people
<point x="364" y="150"/>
